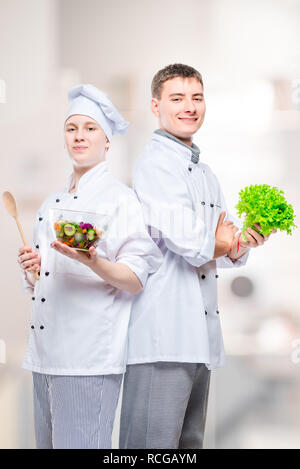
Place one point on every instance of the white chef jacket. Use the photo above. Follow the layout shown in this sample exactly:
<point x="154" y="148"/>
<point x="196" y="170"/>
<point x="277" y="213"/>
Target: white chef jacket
<point x="79" y="322"/>
<point x="176" y="317"/>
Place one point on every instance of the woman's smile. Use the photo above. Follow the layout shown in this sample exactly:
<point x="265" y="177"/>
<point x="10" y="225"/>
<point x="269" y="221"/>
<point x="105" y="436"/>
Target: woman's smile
<point x="80" y="148"/>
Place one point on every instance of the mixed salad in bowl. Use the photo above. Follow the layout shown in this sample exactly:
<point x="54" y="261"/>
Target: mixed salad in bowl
<point x="79" y="230"/>
<point x="77" y="235"/>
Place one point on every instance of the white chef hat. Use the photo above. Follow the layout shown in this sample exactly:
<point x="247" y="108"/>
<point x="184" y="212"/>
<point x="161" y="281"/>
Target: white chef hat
<point x="90" y="101"/>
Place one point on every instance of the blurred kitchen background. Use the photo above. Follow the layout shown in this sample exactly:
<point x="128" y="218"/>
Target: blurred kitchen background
<point x="249" y="55"/>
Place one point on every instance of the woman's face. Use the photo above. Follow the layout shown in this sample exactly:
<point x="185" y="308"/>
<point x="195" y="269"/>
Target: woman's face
<point x="86" y="141"/>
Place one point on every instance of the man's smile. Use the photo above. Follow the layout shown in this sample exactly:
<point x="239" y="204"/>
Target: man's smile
<point x="188" y="119"/>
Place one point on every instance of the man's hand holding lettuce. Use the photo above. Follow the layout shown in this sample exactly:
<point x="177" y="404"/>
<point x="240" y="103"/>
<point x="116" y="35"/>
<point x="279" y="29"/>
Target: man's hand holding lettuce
<point x="266" y="211"/>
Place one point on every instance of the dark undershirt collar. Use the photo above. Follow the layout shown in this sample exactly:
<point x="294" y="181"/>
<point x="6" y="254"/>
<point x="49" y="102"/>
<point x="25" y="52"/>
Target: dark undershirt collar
<point x="194" y="149"/>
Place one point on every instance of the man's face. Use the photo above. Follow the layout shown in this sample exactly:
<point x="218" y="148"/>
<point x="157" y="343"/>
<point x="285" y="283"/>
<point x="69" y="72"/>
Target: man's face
<point x="181" y="107"/>
<point x="85" y="140"/>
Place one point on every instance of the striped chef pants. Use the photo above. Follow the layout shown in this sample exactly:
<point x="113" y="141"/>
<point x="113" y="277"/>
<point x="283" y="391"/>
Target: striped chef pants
<point x="164" y="405"/>
<point x="74" y="411"/>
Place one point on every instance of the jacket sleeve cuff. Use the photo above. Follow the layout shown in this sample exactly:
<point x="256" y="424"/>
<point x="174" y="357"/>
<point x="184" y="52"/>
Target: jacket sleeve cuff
<point x="138" y="266"/>
<point x="226" y="262"/>
<point x="207" y="251"/>
<point x="26" y="285"/>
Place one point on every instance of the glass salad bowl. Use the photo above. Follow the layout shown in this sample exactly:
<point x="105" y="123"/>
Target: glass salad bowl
<point x="78" y="229"/>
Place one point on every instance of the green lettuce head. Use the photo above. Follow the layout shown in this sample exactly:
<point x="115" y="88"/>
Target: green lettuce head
<point x="266" y="206"/>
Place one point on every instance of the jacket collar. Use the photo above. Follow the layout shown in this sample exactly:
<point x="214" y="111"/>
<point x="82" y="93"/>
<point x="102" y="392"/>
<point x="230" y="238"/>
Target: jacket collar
<point x="90" y="177"/>
<point x="193" y="151"/>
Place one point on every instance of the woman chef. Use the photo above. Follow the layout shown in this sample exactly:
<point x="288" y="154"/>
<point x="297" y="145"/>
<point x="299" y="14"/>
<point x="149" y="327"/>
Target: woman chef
<point x="81" y="304"/>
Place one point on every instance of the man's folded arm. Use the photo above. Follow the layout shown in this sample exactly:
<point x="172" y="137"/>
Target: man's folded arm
<point x="168" y="211"/>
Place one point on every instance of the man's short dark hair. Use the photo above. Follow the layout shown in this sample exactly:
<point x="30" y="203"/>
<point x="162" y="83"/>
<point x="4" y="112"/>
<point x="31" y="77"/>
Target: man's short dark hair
<point x="172" y="71"/>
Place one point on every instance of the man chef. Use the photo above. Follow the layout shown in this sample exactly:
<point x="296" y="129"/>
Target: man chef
<point x="175" y="337"/>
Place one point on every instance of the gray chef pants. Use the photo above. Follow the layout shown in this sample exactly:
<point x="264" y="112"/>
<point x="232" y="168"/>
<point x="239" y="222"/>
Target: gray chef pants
<point x="164" y="405"/>
<point x="74" y="411"/>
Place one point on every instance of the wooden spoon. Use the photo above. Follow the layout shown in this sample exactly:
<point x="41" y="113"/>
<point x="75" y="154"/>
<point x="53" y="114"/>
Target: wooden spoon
<point x="11" y="207"/>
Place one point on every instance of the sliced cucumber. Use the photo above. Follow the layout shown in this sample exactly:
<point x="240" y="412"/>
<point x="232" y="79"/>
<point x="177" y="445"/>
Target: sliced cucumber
<point x="91" y="234"/>
<point x="69" y="229"/>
